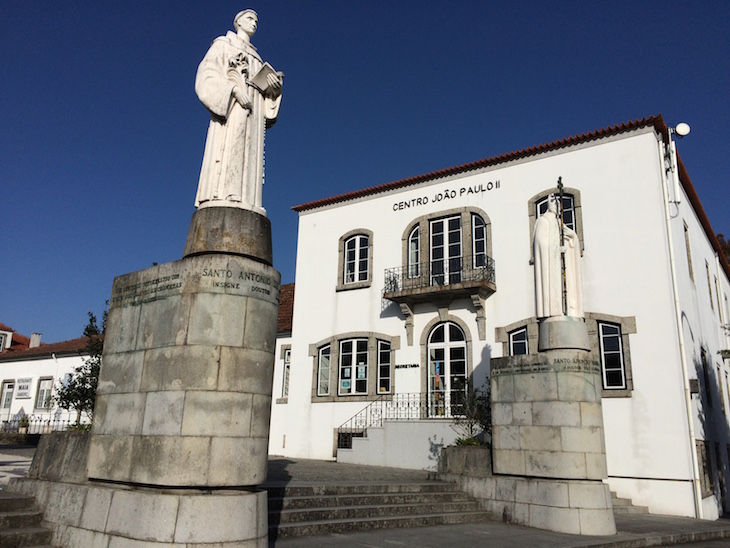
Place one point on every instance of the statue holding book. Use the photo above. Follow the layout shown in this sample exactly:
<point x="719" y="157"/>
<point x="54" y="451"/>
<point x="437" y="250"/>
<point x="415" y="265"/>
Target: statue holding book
<point x="243" y="95"/>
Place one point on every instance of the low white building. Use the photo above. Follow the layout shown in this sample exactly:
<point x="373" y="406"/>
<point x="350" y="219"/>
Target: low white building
<point x="29" y="372"/>
<point x="406" y="290"/>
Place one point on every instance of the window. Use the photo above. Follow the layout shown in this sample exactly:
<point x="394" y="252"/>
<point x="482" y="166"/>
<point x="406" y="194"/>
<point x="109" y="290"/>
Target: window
<point x="707" y="482"/>
<point x="6" y="397"/>
<point x="446" y="249"/>
<point x="446" y="255"/>
<point x="518" y="342"/>
<point x="689" y="252"/>
<point x="323" y="371"/>
<point x="414" y="252"/>
<point x="479" y="241"/>
<point x="285" y="376"/>
<point x="384" y="370"/>
<point x="43" y="395"/>
<point x="706" y="376"/>
<point x="568" y="209"/>
<point x="355" y="260"/>
<point x="612" y="358"/>
<point x="2" y="341"/>
<point x="353" y="367"/>
<point x="721" y="390"/>
<point x="709" y="285"/>
<point x="447" y="374"/>
<point x="717" y="296"/>
<point x="572" y="211"/>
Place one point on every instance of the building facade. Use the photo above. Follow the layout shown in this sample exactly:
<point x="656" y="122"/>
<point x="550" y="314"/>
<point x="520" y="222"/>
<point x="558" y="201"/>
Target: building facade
<point x="407" y="291"/>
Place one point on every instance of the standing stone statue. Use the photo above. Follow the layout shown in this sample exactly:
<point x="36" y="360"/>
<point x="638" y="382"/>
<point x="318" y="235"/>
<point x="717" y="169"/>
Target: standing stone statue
<point x="243" y="95"/>
<point x="549" y="268"/>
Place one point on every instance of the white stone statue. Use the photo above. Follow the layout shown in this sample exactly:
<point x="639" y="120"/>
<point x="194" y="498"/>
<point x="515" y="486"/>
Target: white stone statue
<point x="548" y="266"/>
<point x="243" y="96"/>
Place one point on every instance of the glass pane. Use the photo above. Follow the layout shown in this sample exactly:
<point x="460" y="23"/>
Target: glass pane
<point x="455" y="334"/>
<point x="437" y="336"/>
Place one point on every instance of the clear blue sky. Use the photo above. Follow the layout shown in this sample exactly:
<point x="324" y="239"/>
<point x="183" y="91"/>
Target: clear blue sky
<point x="101" y="134"/>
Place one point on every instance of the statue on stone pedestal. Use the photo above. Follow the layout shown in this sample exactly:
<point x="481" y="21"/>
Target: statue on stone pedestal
<point x="558" y="286"/>
<point x="243" y="95"/>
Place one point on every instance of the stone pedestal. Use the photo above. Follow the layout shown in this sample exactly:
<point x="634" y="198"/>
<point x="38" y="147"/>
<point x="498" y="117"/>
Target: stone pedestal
<point x="184" y="393"/>
<point x="548" y="422"/>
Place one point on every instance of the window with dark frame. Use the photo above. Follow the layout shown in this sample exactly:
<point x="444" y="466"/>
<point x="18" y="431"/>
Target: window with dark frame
<point x="518" y="342"/>
<point x="568" y="209"/>
<point x="323" y="371"/>
<point x="612" y="356"/>
<point x="384" y="367"/>
<point x="353" y="377"/>
<point x="357" y="257"/>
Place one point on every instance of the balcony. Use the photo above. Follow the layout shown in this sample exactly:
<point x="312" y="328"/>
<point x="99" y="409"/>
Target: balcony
<point x="441" y="281"/>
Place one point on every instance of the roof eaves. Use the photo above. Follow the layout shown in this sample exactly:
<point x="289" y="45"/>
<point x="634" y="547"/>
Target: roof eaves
<point x="656" y="121"/>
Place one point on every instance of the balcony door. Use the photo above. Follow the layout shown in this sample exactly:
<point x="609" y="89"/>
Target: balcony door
<point x="446" y="251"/>
<point x="446" y="370"/>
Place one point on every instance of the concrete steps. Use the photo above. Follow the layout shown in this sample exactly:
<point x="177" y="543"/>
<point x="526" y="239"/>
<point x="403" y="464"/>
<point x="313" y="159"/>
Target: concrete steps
<point x="626" y="506"/>
<point x="322" y="509"/>
<point x="20" y="522"/>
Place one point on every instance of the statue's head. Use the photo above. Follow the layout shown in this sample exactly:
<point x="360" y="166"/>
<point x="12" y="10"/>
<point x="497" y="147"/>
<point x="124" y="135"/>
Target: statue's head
<point x="246" y="21"/>
<point x="553" y="203"/>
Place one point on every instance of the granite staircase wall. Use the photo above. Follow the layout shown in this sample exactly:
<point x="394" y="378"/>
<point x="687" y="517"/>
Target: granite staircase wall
<point x="21" y="522"/>
<point x="296" y="511"/>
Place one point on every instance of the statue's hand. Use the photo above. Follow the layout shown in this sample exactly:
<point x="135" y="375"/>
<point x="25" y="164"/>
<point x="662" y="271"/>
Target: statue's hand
<point x="274" y="82"/>
<point x="241" y="98"/>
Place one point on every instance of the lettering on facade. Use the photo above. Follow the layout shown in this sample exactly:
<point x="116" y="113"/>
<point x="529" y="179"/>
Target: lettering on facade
<point x="407" y="366"/>
<point x="569" y="365"/>
<point x="447" y="194"/>
<point x="23" y="389"/>
<point x="146" y="291"/>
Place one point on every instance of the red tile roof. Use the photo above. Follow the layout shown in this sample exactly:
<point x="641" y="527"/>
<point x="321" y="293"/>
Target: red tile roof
<point x="73" y="346"/>
<point x="18" y="342"/>
<point x="286" y="308"/>
<point x="657" y="122"/>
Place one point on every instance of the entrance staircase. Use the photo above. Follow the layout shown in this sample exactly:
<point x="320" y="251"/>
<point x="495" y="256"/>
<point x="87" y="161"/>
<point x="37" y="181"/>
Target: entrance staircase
<point x="626" y="506"/>
<point x="305" y="510"/>
<point x="20" y="522"/>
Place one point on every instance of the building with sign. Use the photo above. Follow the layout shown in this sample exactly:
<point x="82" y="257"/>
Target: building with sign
<point x="406" y="291"/>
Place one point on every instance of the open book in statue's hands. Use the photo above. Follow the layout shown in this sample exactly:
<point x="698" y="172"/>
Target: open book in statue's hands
<point x="261" y="80"/>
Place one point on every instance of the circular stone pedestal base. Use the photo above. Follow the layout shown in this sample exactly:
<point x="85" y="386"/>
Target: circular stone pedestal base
<point x="230" y="230"/>
<point x="559" y="332"/>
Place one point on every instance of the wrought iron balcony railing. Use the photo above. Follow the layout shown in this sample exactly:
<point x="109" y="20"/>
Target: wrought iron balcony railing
<point x="458" y="274"/>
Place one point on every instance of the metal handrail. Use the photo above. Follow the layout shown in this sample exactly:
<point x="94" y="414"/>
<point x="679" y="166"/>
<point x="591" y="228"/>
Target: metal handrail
<point x="436" y="405"/>
<point x="440" y="273"/>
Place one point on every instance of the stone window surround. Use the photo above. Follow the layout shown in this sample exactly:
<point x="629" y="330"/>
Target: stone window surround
<point x="38" y="392"/>
<point x="704" y="459"/>
<point x="282" y="356"/>
<point x="424" y="231"/>
<point x="334" y="343"/>
<point x="688" y="250"/>
<point x="626" y="323"/>
<point x="577" y="211"/>
<point x="443" y="317"/>
<point x="341" y="285"/>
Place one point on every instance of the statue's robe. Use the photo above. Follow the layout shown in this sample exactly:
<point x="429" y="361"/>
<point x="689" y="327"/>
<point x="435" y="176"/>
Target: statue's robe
<point x="548" y="268"/>
<point x="232" y="174"/>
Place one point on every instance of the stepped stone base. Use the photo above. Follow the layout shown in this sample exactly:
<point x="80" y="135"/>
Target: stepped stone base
<point x="566" y="506"/>
<point x="94" y="515"/>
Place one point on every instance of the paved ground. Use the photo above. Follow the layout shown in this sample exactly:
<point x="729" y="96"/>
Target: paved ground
<point x="634" y="530"/>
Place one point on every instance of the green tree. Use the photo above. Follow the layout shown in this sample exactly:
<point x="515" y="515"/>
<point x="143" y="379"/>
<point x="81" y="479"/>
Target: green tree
<point x="79" y="391"/>
<point x="474" y="415"/>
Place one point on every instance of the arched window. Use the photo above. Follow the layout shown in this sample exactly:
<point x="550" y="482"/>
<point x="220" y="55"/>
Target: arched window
<point x="355" y="268"/>
<point x="568" y="209"/>
<point x="414" y="252"/>
<point x="447" y="371"/>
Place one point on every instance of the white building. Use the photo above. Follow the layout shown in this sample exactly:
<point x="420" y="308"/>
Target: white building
<point x="29" y="372"/>
<point x="405" y="290"/>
